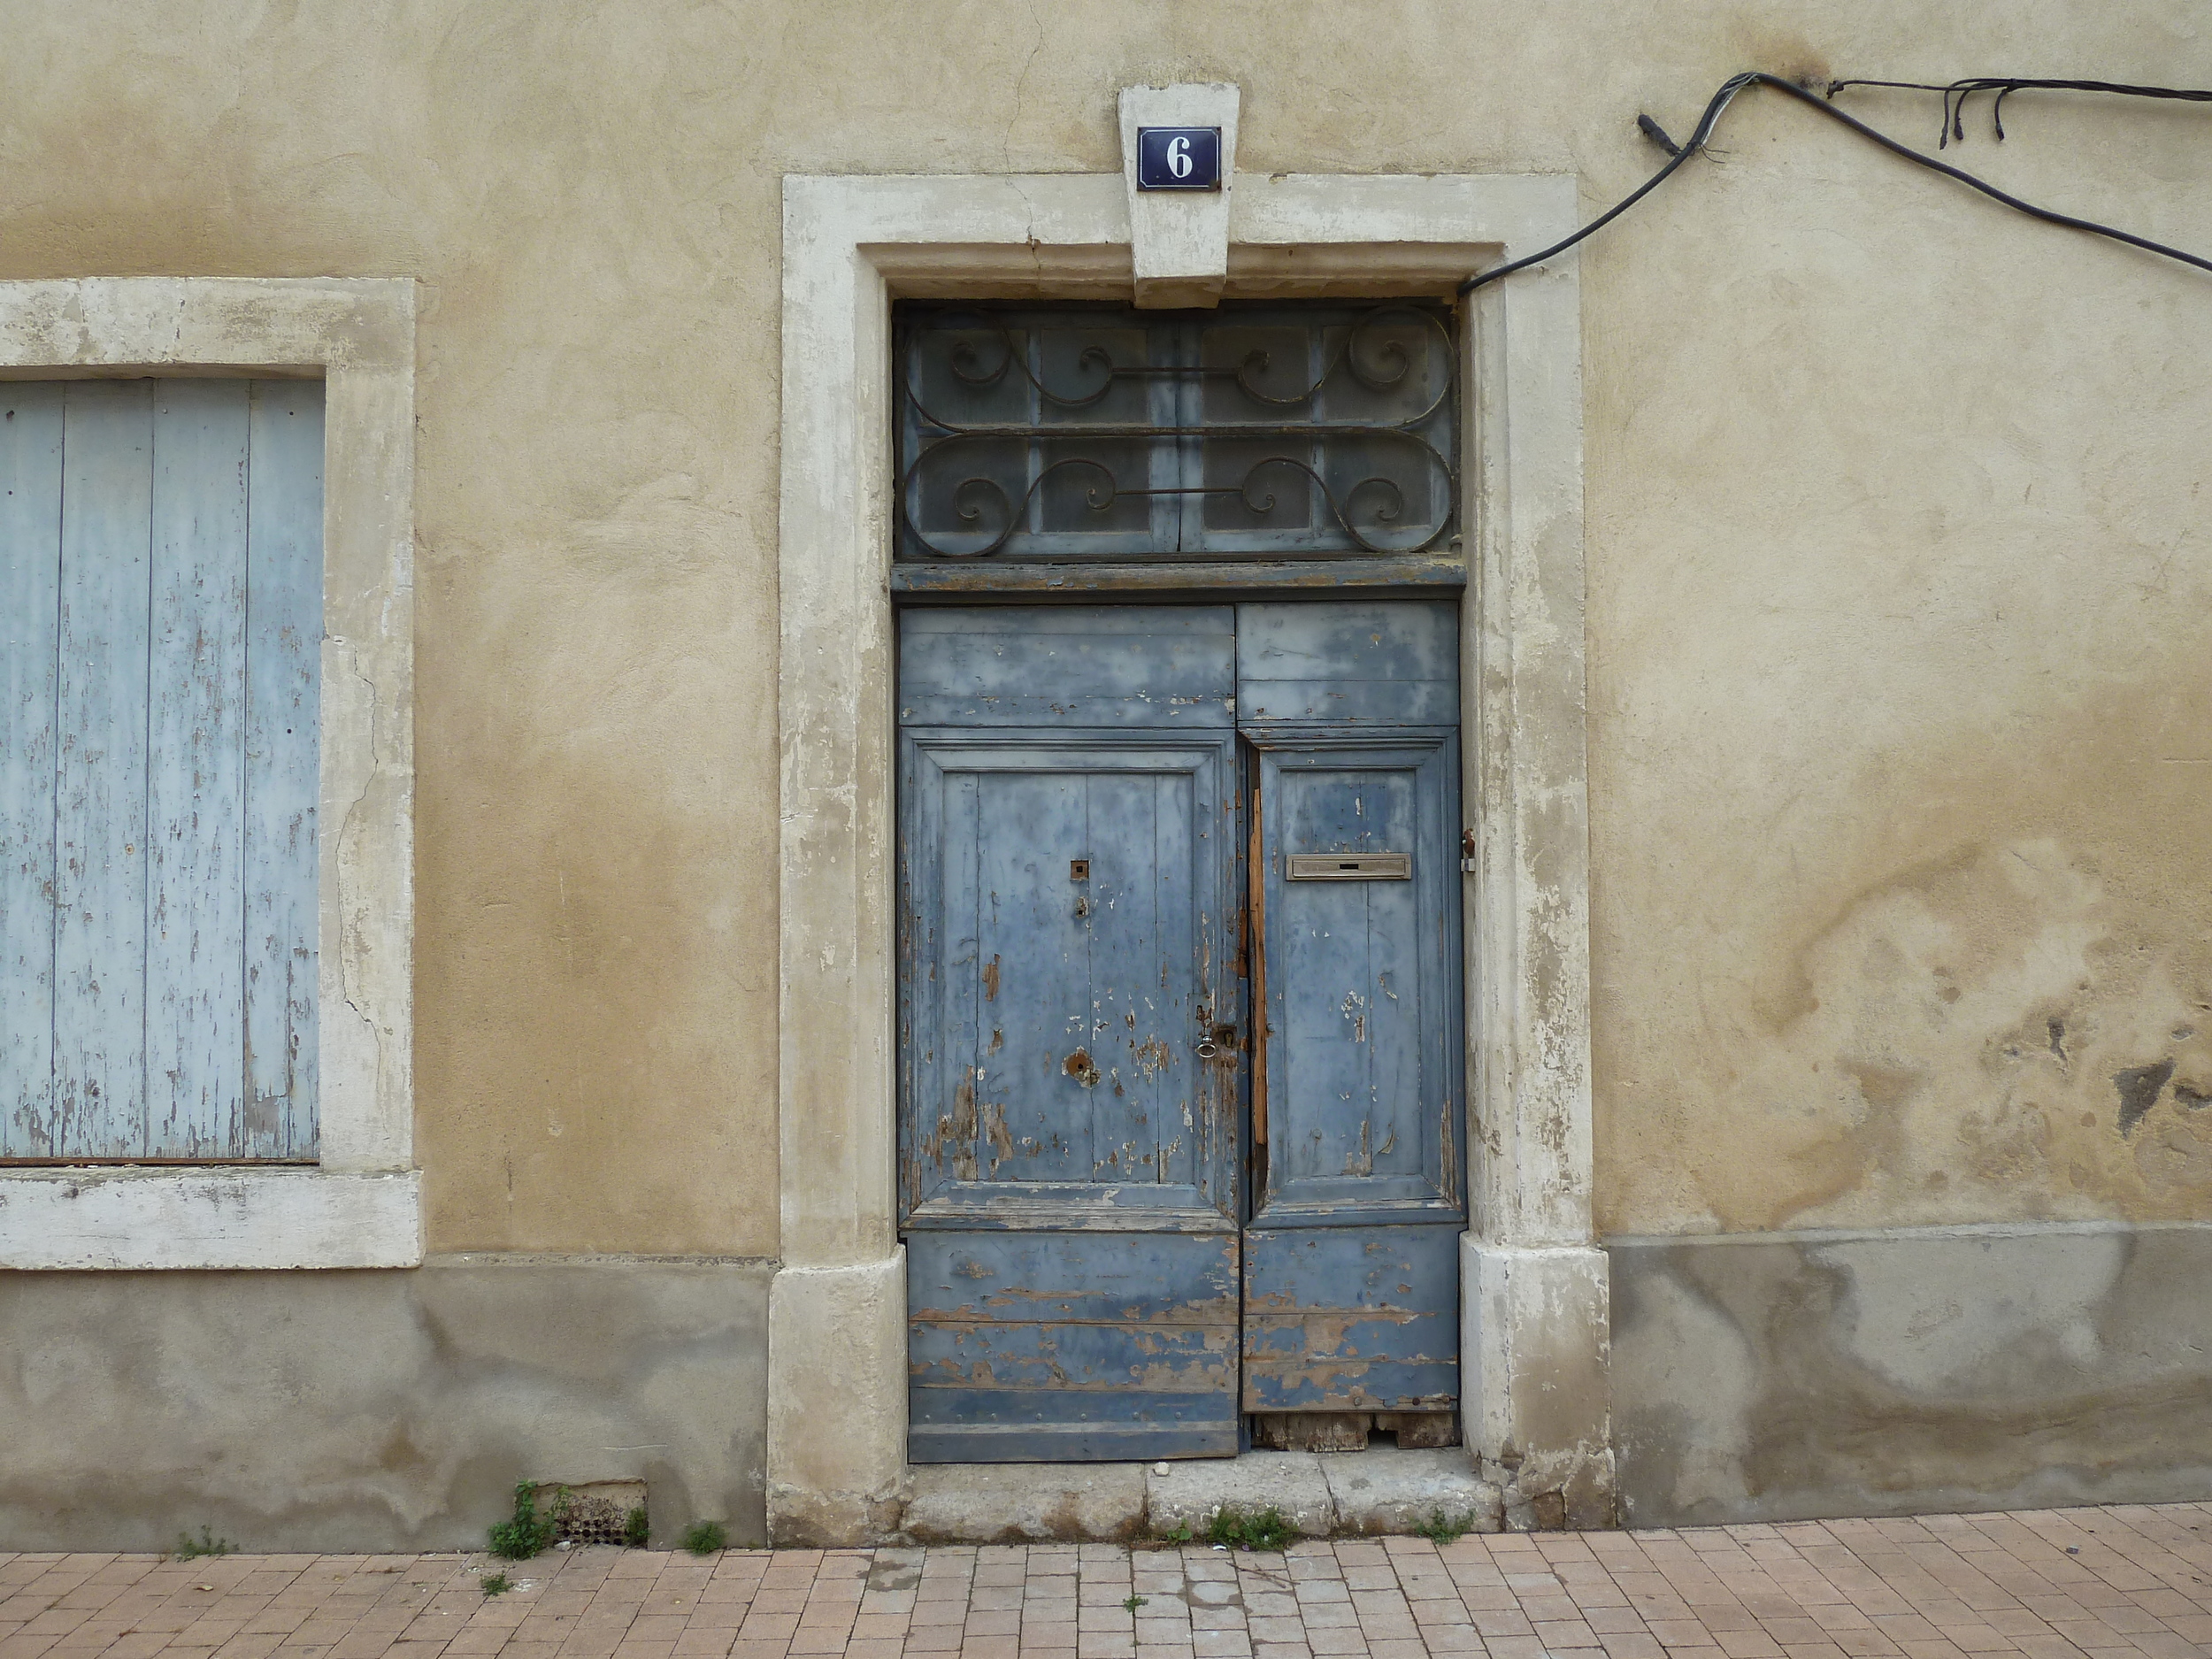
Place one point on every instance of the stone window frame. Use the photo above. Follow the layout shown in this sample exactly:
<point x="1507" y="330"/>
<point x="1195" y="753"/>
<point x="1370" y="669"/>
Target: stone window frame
<point x="361" y="1204"/>
<point x="1534" y="1284"/>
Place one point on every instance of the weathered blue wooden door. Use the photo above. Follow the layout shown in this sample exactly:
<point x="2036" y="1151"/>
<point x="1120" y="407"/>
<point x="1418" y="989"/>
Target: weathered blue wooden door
<point x="1351" y="1303"/>
<point x="1069" y="1112"/>
<point x="1130" y="1220"/>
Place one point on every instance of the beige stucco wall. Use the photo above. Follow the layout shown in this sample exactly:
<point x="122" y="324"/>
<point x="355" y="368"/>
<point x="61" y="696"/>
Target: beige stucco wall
<point x="1898" y="561"/>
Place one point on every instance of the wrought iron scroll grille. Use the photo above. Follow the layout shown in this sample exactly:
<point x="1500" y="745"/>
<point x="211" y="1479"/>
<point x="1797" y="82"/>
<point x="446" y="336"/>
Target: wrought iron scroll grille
<point x="1087" y="433"/>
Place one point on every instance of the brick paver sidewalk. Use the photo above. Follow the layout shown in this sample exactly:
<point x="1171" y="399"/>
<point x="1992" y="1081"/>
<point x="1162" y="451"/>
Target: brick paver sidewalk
<point x="2118" y="1581"/>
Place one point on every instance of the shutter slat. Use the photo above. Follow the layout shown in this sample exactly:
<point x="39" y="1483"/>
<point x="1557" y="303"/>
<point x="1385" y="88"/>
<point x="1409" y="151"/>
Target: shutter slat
<point x="100" y="932"/>
<point x="196" y="1042"/>
<point x="284" y="610"/>
<point x="30" y="577"/>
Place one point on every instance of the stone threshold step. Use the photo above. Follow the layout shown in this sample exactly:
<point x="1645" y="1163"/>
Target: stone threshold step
<point x="1381" y="1490"/>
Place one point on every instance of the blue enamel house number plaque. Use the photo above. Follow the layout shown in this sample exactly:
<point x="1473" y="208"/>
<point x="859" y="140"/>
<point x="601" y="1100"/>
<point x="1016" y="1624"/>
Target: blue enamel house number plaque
<point x="1179" y="158"/>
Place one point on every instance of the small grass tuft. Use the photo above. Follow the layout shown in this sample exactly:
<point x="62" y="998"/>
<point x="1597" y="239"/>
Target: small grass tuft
<point x="1441" y="1528"/>
<point x="703" y="1538"/>
<point x="1263" y="1529"/>
<point x="634" y="1531"/>
<point x="191" y="1548"/>
<point x="1130" y="1604"/>
<point x="1178" y="1533"/>
<point x="527" y="1533"/>
<point x="496" y="1583"/>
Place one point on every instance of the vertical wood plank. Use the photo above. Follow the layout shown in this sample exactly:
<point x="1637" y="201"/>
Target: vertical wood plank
<point x="195" y="1043"/>
<point x="30" y="598"/>
<point x="284" y="631"/>
<point x="1032" y="948"/>
<point x="100" y="818"/>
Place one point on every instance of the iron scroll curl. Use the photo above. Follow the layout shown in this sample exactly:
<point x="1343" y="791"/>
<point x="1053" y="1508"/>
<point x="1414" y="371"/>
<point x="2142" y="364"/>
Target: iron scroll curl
<point x="975" y="493"/>
<point x="1356" y="343"/>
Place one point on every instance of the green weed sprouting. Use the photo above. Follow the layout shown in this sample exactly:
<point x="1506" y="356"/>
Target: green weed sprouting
<point x="1265" y="1529"/>
<point x="1441" y="1528"/>
<point x="703" y="1538"/>
<point x="191" y="1548"/>
<point x="527" y="1533"/>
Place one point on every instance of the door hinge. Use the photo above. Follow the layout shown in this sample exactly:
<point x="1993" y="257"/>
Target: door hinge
<point x="1467" y="852"/>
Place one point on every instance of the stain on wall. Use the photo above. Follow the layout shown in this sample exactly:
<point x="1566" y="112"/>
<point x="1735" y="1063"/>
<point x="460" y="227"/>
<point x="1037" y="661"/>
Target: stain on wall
<point x="2000" y="1034"/>
<point x="376" y="1411"/>
<point x="1910" y="1372"/>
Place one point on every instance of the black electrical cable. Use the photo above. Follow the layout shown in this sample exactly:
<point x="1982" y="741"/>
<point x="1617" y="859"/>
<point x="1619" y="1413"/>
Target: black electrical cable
<point x="1955" y="94"/>
<point x="1754" y="77"/>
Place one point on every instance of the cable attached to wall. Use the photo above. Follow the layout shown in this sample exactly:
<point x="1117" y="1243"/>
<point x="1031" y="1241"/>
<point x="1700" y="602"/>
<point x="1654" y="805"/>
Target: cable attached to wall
<point x="1955" y="96"/>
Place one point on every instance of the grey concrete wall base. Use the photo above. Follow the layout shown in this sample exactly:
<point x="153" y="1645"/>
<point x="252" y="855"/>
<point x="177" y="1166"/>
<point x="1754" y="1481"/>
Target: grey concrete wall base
<point x="374" y="1410"/>
<point x="837" y="1342"/>
<point x="1786" y="1376"/>
<point x="1537" y="1390"/>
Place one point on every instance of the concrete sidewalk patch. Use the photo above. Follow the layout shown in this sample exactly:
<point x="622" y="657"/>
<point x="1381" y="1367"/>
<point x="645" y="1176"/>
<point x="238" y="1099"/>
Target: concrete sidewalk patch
<point x="1378" y="1491"/>
<point x="1383" y="1491"/>
<point x="1192" y="1494"/>
<point x="1018" y="1503"/>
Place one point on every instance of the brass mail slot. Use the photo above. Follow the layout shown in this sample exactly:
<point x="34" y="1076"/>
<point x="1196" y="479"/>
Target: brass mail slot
<point x="1350" y="867"/>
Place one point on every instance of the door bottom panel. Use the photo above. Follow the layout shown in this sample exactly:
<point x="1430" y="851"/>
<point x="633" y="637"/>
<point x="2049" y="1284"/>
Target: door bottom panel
<point x="1351" y="1319"/>
<point x="1072" y="1346"/>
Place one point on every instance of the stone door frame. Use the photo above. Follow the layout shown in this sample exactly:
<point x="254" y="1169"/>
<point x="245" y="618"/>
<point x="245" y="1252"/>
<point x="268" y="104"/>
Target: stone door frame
<point x="1533" y="1282"/>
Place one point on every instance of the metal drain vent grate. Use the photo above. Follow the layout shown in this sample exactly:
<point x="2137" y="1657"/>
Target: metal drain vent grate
<point x="595" y="1511"/>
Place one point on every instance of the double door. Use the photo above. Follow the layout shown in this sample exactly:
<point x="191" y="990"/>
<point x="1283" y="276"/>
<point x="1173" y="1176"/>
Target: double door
<point x="1181" y="1068"/>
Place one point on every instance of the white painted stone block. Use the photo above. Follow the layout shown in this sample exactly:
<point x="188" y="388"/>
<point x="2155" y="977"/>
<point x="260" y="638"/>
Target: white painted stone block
<point x="149" y="1218"/>
<point x="1179" y="240"/>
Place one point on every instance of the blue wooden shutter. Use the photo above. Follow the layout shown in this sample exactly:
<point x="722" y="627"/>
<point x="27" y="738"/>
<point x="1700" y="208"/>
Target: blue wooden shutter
<point x="161" y="573"/>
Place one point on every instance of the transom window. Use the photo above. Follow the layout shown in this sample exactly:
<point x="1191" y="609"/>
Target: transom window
<point x="1097" y="432"/>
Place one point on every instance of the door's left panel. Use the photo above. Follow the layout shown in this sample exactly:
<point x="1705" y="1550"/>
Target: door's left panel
<point x="1069" y="1091"/>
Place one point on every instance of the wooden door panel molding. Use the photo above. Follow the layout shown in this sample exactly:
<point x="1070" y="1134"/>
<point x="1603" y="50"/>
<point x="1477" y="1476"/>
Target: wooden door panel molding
<point x="1362" y="1024"/>
<point x="996" y="1053"/>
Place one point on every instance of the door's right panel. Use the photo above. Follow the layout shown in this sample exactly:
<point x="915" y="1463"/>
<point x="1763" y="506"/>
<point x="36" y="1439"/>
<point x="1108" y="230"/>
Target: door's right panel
<point x="1351" y="1252"/>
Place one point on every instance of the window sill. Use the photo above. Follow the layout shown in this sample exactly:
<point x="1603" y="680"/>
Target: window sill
<point x="139" y="1219"/>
